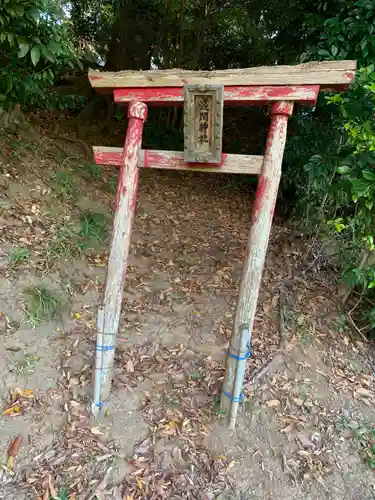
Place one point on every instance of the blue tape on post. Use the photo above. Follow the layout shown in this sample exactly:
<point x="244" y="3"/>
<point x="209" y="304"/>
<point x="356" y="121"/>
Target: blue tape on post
<point x="241" y="358"/>
<point x="235" y="399"/>
<point x="105" y="347"/>
<point x="101" y="403"/>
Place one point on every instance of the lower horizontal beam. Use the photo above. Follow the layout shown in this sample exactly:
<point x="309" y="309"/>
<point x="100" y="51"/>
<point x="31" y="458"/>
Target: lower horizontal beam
<point x="173" y="160"/>
<point x="233" y="95"/>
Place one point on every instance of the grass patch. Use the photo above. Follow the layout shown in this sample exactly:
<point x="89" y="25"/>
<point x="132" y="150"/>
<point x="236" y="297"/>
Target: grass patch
<point x="91" y="170"/>
<point x="216" y="408"/>
<point x="365" y="435"/>
<point x="63" y="494"/>
<point x="63" y="184"/>
<point x="94" y="227"/>
<point x="63" y="244"/>
<point x="18" y="254"/>
<point x="42" y="306"/>
<point x="111" y="185"/>
<point x="25" y="365"/>
<point x="70" y="240"/>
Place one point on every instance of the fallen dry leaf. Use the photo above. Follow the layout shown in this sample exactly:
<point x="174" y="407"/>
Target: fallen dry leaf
<point x="52" y="488"/>
<point x="130" y="366"/>
<point x="305" y="441"/>
<point x="14" y="446"/>
<point x="298" y="402"/>
<point x="273" y="403"/>
<point x="96" y="431"/>
<point x="362" y="391"/>
<point x="20" y="400"/>
<point x="12" y="411"/>
<point x="139" y="483"/>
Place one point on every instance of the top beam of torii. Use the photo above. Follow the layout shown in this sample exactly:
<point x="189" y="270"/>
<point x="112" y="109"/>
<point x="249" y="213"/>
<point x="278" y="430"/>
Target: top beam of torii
<point x="329" y="75"/>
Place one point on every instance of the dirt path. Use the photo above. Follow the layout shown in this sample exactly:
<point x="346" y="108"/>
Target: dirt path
<point x="305" y="427"/>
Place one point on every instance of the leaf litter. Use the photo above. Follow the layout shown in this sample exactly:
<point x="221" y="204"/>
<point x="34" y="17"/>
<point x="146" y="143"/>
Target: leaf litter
<point x="173" y="462"/>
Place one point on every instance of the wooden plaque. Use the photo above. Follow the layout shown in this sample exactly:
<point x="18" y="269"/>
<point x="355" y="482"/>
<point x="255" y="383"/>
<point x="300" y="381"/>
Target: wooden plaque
<point x="203" y="123"/>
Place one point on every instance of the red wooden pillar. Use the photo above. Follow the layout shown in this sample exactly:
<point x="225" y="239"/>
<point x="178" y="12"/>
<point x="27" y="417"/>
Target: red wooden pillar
<point x="263" y="209"/>
<point x="109" y="314"/>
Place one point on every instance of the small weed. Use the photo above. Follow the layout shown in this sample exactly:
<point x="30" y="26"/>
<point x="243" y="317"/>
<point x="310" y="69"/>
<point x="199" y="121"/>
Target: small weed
<point x="215" y="406"/>
<point x="173" y="400"/>
<point x="92" y="170"/>
<point x="340" y="323"/>
<point x="63" y="494"/>
<point x="303" y="395"/>
<point x="302" y="330"/>
<point x="43" y="305"/>
<point x="111" y="185"/>
<point x="251" y="407"/>
<point x="63" y="184"/>
<point x="365" y="435"/>
<point x="18" y="255"/>
<point x="15" y="148"/>
<point x="63" y="244"/>
<point x="93" y="226"/>
<point x="25" y="365"/>
<point x="344" y="421"/>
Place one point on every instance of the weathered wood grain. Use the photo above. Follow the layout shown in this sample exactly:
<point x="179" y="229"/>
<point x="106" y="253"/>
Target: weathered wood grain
<point x="174" y="160"/>
<point x="240" y="95"/>
<point x="262" y="215"/>
<point x="327" y="74"/>
<point x="203" y="123"/>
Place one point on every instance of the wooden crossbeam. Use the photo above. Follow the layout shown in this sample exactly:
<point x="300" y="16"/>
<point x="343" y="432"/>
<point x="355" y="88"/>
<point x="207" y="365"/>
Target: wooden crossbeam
<point x="328" y="74"/>
<point x="174" y="160"/>
<point x="240" y="95"/>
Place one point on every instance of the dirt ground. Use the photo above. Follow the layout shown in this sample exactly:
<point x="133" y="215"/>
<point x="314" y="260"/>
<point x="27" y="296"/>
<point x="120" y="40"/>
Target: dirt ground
<point x="305" y="428"/>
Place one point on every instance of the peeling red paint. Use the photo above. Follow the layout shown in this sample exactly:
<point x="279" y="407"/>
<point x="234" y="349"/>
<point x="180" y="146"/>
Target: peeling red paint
<point x="259" y="197"/>
<point x="122" y="228"/>
<point x="282" y="108"/>
<point x="174" y="160"/>
<point x="235" y="95"/>
<point x="262" y="215"/>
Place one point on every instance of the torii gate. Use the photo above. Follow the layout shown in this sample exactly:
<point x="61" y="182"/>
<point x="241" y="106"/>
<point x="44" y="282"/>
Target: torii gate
<point x="203" y="95"/>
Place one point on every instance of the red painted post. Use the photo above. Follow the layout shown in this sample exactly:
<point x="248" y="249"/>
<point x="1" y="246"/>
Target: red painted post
<point x="109" y="315"/>
<point x="257" y="245"/>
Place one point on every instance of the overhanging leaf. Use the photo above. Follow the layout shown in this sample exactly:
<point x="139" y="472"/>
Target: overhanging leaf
<point x="370" y="176"/>
<point x="48" y="54"/>
<point x="23" y="49"/>
<point x="35" y="55"/>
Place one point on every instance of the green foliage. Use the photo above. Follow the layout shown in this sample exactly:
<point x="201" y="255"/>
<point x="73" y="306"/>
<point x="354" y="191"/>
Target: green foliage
<point x="69" y="239"/>
<point x="333" y="156"/>
<point x="64" y="102"/>
<point x="94" y="227"/>
<point x="63" y="244"/>
<point x="43" y="305"/>
<point x="63" y="184"/>
<point x="349" y="34"/>
<point x="63" y="494"/>
<point x="365" y="436"/>
<point x="17" y="255"/>
<point x="26" y="365"/>
<point x="91" y="170"/>
<point x="35" y="44"/>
